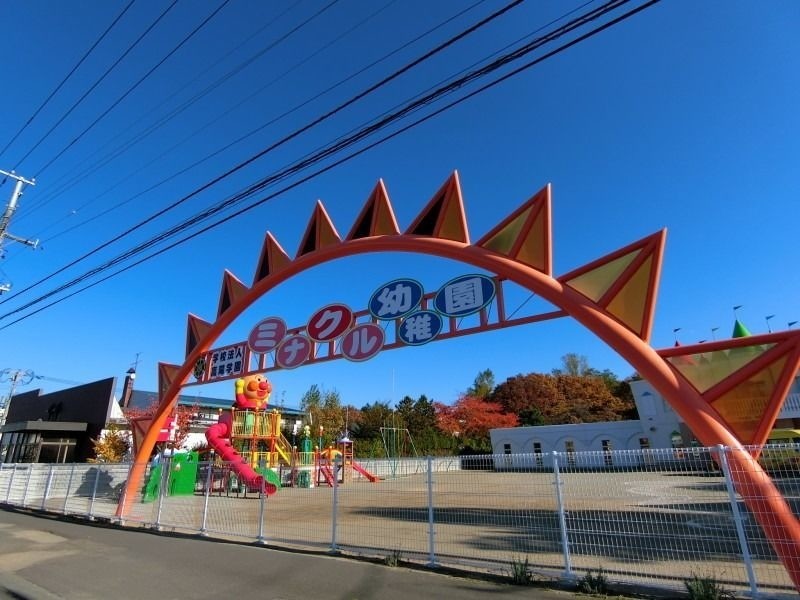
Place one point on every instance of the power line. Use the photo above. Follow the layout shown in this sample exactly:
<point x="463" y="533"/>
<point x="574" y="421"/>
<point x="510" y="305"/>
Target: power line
<point x="340" y="161"/>
<point x="135" y="85"/>
<point x="96" y="83"/>
<point x="175" y="112"/>
<point x="280" y="142"/>
<point x="244" y="137"/>
<point x="63" y="81"/>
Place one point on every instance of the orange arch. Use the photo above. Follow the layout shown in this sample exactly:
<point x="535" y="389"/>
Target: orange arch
<point x="761" y="496"/>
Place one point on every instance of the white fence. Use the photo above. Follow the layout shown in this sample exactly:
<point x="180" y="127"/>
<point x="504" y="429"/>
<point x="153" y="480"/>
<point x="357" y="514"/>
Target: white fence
<point x="650" y="518"/>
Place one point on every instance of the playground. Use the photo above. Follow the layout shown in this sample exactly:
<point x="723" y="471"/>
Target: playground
<point x="250" y="454"/>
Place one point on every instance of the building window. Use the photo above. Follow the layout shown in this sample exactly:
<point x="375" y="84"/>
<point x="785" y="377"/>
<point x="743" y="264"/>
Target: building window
<point x="569" y="446"/>
<point x="644" y="443"/>
<point x="506" y="448"/>
<point x="537" y="453"/>
<point x="607" y="458"/>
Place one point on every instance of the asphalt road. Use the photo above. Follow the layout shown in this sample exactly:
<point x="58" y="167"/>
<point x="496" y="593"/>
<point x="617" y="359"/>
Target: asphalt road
<point x="44" y="558"/>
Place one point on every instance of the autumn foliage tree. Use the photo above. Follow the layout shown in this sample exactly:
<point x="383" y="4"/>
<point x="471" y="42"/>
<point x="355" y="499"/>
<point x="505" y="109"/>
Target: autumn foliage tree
<point x="558" y="399"/>
<point x="183" y="418"/>
<point x="471" y="418"/>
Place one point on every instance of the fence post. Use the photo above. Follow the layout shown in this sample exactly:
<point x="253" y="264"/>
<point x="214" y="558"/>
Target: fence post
<point x="94" y="493"/>
<point x="27" y="483"/>
<point x="262" y="496"/>
<point x="209" y="483"/>
<point x="334" y="547"/>
<point x="11" y="482"/>
<point x="562" y="519"/>
<point x="737" y="519"/>
<point x="47" y="487"/>
<point x="431" y="532"/>
<point x="69" y="485"/>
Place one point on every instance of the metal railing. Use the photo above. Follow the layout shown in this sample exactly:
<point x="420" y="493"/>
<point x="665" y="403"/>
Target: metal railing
<point x="652" y="517"/>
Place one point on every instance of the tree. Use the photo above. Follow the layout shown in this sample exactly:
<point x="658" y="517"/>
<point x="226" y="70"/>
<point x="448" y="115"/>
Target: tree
<point x="573" y="364"/>
<point x="373" y="417"/>
<point x="184" y="416"/>
<point x="471" y="418"/>
<point x="483" y="385"/>
<point x="325" y="408"/>
<point x="558" y="399"/>
<point x="112" y="446"/>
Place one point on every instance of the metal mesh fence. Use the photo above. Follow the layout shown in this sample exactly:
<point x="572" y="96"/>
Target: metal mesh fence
<point x="649" y="517"/>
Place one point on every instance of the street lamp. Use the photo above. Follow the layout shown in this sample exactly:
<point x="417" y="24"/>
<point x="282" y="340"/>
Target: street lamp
<point x="767" y="318"/>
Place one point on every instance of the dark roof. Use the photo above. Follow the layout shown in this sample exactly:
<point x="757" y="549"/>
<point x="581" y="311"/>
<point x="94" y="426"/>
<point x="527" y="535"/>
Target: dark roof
<point x="87" y="403"/>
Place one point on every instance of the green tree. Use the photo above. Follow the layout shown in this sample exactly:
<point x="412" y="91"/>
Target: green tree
<point x="573" y="364"/>
<point x="483" y="385"/>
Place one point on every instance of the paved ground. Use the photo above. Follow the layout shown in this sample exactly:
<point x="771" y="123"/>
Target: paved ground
<point x="43" y="558"/>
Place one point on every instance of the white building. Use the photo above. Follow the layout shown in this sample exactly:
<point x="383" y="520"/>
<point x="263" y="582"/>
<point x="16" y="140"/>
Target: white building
<point x="658" y="426"/>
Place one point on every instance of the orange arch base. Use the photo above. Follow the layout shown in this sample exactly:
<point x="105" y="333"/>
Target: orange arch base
<point x="614" y="297"/>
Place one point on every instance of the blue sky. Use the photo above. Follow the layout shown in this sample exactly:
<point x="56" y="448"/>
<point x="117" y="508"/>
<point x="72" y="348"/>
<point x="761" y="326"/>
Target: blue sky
<point x="683" y="116"/>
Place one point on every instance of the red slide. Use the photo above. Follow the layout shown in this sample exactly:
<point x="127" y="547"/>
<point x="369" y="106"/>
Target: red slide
<point x="364" y="472"/>
<point x="217" y="436"/>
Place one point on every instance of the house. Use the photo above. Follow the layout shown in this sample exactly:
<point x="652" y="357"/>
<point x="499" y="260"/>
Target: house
<point x="57" y="427"/>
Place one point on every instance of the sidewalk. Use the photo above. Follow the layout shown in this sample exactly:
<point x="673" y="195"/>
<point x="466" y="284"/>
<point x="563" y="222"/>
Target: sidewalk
<point x="43" y="558"/>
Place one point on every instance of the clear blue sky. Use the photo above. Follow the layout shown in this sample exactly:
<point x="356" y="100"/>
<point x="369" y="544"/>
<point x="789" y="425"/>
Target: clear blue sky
<point x="684" y="116"/>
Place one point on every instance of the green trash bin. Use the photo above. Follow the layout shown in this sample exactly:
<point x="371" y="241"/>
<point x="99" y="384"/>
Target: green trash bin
<point x="304" y="479"/>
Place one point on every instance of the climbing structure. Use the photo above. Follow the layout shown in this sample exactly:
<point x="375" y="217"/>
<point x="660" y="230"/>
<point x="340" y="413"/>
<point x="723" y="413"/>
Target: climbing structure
<point x="248" y="438"/>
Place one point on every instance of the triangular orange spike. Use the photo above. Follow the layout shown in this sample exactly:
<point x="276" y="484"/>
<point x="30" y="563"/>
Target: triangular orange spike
<point x="166" y="375"/>
<point x="625" y="282"/>
<point x="320" y="232"/>
<point x="196" y="329"/>
<point x="632" y="298"/>
<point x="744" y="406"/>
<point x="525" y="235"/>
<point x="745" y="381"/>
<point x="443" y="216"/>
<point x="377" y="216"/>
<point x="273" y="258"/>
<point x="232" y="290"/>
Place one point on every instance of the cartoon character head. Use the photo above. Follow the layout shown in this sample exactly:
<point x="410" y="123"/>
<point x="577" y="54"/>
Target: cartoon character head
<point x="253" y="392"/>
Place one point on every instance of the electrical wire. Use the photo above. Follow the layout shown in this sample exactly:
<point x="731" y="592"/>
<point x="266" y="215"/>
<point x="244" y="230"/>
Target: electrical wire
<point x="96" y="83"/>
<point x="202" y="72"/>
<point x="280" y="142"/>
<point x="352" y="155"/>
<point x="134" y="86"/>
<point x="242" y="138"/>
<point x="175" y="112"/>
<point x="64" y="80"/>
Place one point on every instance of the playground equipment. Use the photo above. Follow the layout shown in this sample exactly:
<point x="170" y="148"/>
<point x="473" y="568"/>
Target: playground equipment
<point x="249" y="437"/>
<point x="338" y="462"/>
<point x="180" y="481"/>
<point x="249" y="440"/>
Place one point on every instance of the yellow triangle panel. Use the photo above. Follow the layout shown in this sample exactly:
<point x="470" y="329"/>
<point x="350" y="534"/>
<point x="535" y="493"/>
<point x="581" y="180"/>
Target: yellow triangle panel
<point x="377" y="216"/>
<point x="196" y="329"/>
<point x="319" y="233"/>
<point x="232" y="290"/>
<point x="166" y="375"/>
<point x="743" y="406"/>
<point x="272" y="259"/>
<point x="595" y="282"/>
<point x="706" y="370"/>
<point x="630" y="303"/>
<point x="526" y="234"/>
<point x="443" y="216"/>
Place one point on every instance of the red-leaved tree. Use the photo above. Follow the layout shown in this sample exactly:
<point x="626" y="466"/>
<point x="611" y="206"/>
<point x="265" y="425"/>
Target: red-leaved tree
<point x="471" y="418"/>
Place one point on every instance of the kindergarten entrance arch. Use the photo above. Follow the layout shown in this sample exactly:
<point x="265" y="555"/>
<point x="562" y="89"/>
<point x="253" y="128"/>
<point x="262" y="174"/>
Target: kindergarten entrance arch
<point x="728" y="392"/>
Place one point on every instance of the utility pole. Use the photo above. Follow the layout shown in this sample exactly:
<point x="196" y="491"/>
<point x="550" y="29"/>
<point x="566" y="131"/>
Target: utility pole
<point x="5" y="219"/>
<point x="16" y="377"/>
